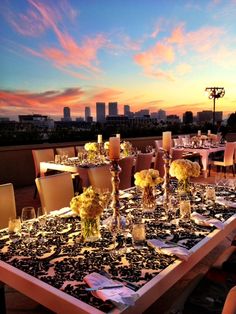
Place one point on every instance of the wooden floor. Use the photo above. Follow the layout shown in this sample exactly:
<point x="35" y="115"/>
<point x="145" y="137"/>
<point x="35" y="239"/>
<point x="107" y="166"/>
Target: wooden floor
<point x="19" y="304"/>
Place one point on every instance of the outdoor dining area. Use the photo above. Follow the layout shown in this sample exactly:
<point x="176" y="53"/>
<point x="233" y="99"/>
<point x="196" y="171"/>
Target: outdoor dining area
<point x="119" y="229"/>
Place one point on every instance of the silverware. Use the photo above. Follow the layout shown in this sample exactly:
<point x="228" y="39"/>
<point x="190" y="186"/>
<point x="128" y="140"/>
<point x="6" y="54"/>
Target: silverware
<point x="104" y="287"/>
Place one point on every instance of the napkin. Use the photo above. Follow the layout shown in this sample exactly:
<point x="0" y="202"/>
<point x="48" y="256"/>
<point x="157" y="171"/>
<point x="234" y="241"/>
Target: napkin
<point x="222" y="201"/>
<point x="169" y="249"/>
<point x="62" y="212"/>
<point x="205" y="221"/>
<point x="121" y="297"/>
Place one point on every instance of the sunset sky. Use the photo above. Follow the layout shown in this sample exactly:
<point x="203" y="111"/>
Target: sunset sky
<point x="150" y="54"/>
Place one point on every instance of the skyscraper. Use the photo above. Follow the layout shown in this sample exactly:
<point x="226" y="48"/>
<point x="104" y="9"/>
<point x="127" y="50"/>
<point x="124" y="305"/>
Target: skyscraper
<point x="87" y="113"/>
<point x="66" y="116"/>
<point x="100" y="112"/>
<point x="126" y="110"/>
<point x="188" y="117"/>
<point x="112" y="108"/>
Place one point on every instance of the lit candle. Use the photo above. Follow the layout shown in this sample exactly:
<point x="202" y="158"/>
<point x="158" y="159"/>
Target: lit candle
<point x="118" y="135"/>
<point x="166" y="140"/>
<point x="209" y="132"/>
<point x="199" y="132"/>
<point x="99" y="138"/>
<point x="114" y="148"/>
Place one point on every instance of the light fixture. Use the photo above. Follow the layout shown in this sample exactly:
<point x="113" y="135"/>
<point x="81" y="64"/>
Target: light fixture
<point x="213" y="93"/>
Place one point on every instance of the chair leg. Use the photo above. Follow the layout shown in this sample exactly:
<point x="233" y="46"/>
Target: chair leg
<point x="2" y="299"/>
<point x="35" y="191"/>
<point x="209" y="170"/>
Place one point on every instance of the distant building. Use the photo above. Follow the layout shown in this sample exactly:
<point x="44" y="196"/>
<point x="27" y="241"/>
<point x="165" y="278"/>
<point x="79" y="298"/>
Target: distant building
<point x="100" y="112"/>
<point x="142" y="113"/>
<point x="66" y="117"/>
<point x="112" y="108"/>
<point x="188" y="117"/>
<point x="173" y="118"/>
<point x="127" y="110"/>
<point x="154" y="115"/>
<point x="161" y="115"/>
<point x="207" y="116"/>
<point x="4" y="119"/>
<point x="87" y="113"/>
<point x="79" y="119"/>
<point x="37" y="120"/>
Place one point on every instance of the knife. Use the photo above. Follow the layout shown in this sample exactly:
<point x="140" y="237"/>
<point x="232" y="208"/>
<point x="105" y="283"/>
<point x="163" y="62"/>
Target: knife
<point x="104" y="287"/>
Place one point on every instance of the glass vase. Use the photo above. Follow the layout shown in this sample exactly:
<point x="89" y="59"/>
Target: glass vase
<point x="90" y="229"/>
<point x="148" y="199"/>
<point x="183" y="187"/>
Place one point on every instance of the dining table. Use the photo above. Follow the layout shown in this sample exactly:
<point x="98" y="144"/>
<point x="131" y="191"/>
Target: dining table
<point x="204" y="152"/>
<point x="52" y="267"/>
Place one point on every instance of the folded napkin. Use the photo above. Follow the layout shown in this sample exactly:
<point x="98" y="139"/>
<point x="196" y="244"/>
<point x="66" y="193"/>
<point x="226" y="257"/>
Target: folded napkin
<point x="121" y="297"/>
<point x="222" y="201"/>
<point x="205" y="221"/>
<point x="62" y="212"/>
<point x="169" y="249"/>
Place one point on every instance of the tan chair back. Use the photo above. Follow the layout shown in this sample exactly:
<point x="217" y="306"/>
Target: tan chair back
<point x="100" y="177"/>
<point x="159" y="163"/>
<point x="55" y="191"/>
<point x="126" y="164"/>
<point x="40" y="155"/>
<point x="229" y="153"/>
<point x="7" y="204"/>
<point x="69" y="151"/>
<point x="158" y="144"/>
<point x="143" y="161"/>
<point x="230" y="302"/>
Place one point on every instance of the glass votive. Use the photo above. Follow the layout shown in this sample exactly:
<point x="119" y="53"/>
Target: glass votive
<point x="185" y="209"/>
<point x="138" y="234"/>
<point x="210" y="193"/>
<point x="14" y="225"/>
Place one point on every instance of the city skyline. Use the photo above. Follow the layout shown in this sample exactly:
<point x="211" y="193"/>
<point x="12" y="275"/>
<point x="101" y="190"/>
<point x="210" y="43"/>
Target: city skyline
<point x="152" y="54"/>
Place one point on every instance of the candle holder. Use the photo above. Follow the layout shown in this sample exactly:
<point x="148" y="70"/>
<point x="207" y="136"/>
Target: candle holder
<point x="166" y="185"/>
<point x="115" y="222"/>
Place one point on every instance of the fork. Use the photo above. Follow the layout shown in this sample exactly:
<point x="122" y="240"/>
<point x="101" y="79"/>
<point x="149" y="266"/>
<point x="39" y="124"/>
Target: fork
<point x="104" y="287"/>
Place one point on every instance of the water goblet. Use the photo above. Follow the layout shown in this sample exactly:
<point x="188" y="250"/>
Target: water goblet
<point x="14" y="228"/>
<point x="27" y="217"/>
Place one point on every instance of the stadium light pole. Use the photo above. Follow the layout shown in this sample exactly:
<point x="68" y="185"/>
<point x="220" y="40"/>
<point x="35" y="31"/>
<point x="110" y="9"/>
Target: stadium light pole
<point x="213" y="93"/>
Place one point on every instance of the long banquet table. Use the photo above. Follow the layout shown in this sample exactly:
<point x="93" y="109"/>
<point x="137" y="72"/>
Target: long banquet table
<point x="51" y="268"/>
<point x="204" y="152"/>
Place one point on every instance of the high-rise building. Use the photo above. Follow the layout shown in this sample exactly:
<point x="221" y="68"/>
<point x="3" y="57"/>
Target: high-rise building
<point x="161" y="115"/>
<point x="66" y="117"/>
<point x="100" y="112"/>
<point x="87" y="113"/>
<point x="112" y="108"/>
<point x="207" y="116"/>
<point x="126" y="110"/>
<point x="188" y="117"/>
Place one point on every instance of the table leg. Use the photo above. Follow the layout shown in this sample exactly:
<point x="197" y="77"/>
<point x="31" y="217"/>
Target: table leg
<point x="2" y="299"/>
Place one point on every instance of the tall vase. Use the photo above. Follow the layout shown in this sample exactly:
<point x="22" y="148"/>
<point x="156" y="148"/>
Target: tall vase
<point x="148" y="199"/>
<point x="184" y="186"/>
<point x="90" y="229"/>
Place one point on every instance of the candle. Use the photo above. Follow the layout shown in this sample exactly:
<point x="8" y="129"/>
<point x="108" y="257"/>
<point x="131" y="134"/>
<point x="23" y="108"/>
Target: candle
<point x="114" y="148"/>
<point x="209" y="132"/>
<point x="118" y="135"/>
<point x="99" y="138"/>
<point x="199" y="132"/>
<point x="166" y="140"/>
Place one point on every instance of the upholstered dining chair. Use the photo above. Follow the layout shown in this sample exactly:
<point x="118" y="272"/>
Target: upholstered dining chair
<point x="230" y="302"/>
<point x="143" y="161"/>
<point x="69" y="151"/>
<point x="55" y="191"/>
<point x="228" y="160"/>
<point x="158" y="145"/>
<point x="7" y="204"/>
<point x="40" y="155"/>
<point x="126" y="164"/>
<point x="159" y="162"/>
<point x="100" y="177"/>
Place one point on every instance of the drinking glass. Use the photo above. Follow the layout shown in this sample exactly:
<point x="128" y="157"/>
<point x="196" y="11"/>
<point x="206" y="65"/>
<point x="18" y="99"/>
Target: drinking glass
<point x="27" y="217"/>
<point x="138" y="235"/>
<point x="14" y="228"/>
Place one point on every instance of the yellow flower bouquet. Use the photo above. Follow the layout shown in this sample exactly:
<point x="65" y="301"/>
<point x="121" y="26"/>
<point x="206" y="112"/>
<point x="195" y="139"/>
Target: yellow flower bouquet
<point x="126" y="147"/>
<point x="91" y="146"/>
<point x="89" y="206"/>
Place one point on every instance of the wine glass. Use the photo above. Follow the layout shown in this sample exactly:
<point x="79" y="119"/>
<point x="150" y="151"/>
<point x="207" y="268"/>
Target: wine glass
<point x="27" y="216"/>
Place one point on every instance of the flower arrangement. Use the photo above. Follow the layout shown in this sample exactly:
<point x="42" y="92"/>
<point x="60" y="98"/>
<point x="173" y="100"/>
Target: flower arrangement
<point x="126" y="147"/>
<point x="106" y="145"/>
<point x="184" y="168"/>
<point x="88" y="205"/>
<point x="91" y="147"/>
<point x="149" y="177"/>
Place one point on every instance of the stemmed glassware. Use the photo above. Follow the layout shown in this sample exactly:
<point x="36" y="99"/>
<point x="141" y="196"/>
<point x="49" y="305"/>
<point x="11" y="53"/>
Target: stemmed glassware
<point x="27" y="217"/>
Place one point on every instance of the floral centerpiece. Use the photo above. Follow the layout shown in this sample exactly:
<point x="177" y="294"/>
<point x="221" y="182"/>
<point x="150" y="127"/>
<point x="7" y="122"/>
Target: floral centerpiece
<point x="182" y="169"/>
<point x="89" y="206"/>
<point x="147" y="180"/>
<point x="126" y="148"/>
<point x="92" y="149"/>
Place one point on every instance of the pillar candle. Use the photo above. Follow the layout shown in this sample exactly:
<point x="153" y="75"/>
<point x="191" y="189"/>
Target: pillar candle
<point x="99" y="138"/>
<point x="166" y="140"/>
<point x="114" y="148"/>
<point x="199" y="132"/>
<point x="118" y="135"/>
<point x="209" y="132"/>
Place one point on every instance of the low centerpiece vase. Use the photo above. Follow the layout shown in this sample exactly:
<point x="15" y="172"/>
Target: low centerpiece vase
<point x="148" y="199"/>
<point x="90" y="229"/>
